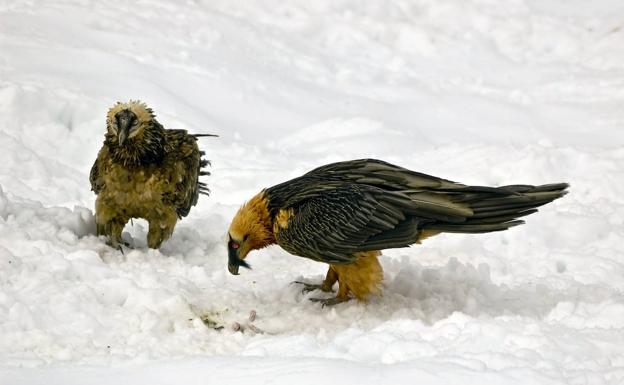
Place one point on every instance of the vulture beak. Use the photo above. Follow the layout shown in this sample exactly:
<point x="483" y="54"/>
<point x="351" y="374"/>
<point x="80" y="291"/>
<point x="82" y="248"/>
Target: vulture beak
<point x="123" y="135"/>
<point x="124" y="121"/>
<point x="233" y="269"/>
<point x="234" y="262"/>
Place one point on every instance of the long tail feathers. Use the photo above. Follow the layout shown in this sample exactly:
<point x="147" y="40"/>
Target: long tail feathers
<point x="499" y="210"/>
<point x="202" y="188"/>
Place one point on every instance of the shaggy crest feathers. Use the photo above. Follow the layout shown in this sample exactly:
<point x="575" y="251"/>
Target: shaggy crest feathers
<point x="147" y="146"/>
<point x="142" y="111"/>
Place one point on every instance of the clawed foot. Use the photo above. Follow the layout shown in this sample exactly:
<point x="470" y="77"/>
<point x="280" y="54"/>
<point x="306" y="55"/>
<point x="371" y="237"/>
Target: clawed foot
<point x="119" y="245"/>
<point x="308" y="287"/>
<point x="329" y="301"/>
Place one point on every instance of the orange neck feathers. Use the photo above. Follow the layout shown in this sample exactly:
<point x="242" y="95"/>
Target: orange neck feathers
<point x="253" y="224"/>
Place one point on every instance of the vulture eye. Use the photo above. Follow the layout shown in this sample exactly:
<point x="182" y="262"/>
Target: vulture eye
<point x="134" y="125"/>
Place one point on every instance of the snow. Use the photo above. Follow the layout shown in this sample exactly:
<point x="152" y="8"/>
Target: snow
<point x="477" y="91"/>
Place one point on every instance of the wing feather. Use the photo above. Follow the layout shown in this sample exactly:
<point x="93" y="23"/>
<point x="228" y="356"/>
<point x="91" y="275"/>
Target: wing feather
<point x="362" y="205"/>
<point x="341" y="222"/>
<point x="184" y="151"/>
<point x="95" y="175"/>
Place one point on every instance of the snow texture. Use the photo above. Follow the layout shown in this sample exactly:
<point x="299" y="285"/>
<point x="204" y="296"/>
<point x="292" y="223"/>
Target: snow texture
<point x="478" y="91"/>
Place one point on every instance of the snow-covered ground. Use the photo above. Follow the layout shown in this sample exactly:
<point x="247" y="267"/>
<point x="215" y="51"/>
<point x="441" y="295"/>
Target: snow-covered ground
<point x="477" y="91"/>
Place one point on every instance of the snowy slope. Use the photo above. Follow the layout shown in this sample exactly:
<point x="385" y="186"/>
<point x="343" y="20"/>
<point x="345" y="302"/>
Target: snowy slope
<point x="479" y="91"/>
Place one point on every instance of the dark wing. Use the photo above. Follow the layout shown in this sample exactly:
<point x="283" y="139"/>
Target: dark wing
<point x="370" y="172"/>
<point x="373" y="173"/>
<point x="363" y="205"/>
<point x="335" y="225"/>
<point x="97" y="182"/>
<point x="182" y="147"/>
<point x="382" y="174"/>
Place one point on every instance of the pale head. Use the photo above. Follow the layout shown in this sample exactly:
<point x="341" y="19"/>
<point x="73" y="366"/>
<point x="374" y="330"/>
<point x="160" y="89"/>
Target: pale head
<point x="251" y="229"/>
<point x="127" y="121"/>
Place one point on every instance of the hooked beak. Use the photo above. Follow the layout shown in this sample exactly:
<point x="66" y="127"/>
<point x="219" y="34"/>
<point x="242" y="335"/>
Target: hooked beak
<point x="123" y="135"/>
<point x="124" y="127"/>
<point x="234" y="262"/>
<point x="233" y="269"/>
<point x="124" y="122"/>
